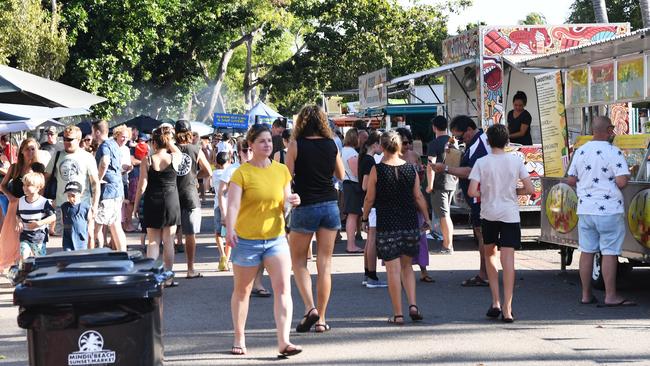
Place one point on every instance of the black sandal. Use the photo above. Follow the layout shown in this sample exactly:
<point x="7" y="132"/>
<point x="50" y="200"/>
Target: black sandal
<point x="493" y="313"/>
<point x="394" y="321"/>
<point x="308" y="321"/>
<point x="290" y="350"/>
<point x="415" y="316"/>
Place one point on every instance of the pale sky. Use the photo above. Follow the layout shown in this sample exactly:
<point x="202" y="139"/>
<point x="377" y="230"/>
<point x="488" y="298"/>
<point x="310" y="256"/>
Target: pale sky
<point x="505" y="12"/>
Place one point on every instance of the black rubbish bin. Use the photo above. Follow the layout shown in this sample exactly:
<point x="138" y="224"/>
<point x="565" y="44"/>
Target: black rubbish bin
<point x="92" y="308"/>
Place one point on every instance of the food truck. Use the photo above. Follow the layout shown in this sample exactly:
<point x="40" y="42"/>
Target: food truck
<point x="482" y="72"/>
<point x="609" y="78"/>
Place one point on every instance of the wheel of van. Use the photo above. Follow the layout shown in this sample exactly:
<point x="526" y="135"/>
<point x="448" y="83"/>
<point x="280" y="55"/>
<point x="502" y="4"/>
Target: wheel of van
<point x="597" y="280"/>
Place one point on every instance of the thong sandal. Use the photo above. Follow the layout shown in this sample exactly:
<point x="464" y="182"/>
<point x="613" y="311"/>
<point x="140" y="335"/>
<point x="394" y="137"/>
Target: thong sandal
<point x="475" y="281"/>
<point x="427" y="278"/>
<point x="260" y="292"/>
<point x="238" y="351"/>
<point x="322" y="328"/>
<point x="290" y="350"/>
<point x="394" y="320"/>
<point x="195" y="275"/>
<point x="415" y="316"/>
<point x="591" y="301"/>
<point x="307" y="321"/>
<point x="621" y="303"/>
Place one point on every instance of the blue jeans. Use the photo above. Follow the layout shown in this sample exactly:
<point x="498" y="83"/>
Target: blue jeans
<point x="251" y="253"/>
<point x="310" y="218"/>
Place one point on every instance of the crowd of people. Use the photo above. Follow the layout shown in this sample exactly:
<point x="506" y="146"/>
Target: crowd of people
<point x="276" y="190"/>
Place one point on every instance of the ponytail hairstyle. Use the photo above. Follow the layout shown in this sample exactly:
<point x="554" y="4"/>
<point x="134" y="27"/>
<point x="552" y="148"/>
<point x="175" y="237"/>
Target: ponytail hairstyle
<point x="519" y="95"/>
<point x="391" y="142"/>
<point x="373" y="138"/>
<point x="162" y="137"/>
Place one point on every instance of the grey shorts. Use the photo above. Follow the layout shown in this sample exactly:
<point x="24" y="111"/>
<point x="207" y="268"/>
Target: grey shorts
<point x="109" y="211"/>
<point x="191" y="221"/>
<point x="441" y="201"/>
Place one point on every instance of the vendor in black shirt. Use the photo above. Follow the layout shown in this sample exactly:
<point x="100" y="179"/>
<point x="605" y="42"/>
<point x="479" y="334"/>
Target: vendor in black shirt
<point x="519" y="120"/>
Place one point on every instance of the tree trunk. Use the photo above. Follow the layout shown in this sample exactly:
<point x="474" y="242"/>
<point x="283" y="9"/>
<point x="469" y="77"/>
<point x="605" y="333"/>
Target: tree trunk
<point x="600" y="11"/>
<point x="645" y="12"/>
<point x="248" y="89"/>
<point x="187" y="112"/>
<point x="221" y="73"/>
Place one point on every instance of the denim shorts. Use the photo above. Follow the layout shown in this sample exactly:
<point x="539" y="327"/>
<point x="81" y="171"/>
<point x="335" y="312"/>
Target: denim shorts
<point x="310" y="218"/>
<point x="601" y="233"/>
<point x="250" y="253"/>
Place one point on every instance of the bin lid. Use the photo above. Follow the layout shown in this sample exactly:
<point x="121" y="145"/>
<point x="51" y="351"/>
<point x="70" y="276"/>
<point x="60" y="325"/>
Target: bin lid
<point x="102" y="279"/>
<point x="88" y="255"/>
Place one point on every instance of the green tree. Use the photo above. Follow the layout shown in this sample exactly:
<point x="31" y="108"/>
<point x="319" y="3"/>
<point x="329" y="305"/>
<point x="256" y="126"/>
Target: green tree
<point x="349" y="38"/>
<point x="533" y="18"/>
<point x="582" y="11"/>
<point x="31" y="39"/>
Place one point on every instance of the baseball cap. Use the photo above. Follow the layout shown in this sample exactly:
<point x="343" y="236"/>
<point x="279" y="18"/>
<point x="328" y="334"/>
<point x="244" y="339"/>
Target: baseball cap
<point x="182" y="125"/>
<point x="73" y="187"/>
<point x="51" y="129"/>
<point x="143" y="136"/>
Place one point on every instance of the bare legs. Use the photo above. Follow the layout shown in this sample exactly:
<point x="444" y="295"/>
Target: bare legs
<point x="299" y="244"/>
<point x="400" y="273"/>
<point x="481" y="250"/>
<point x="166" y="235"/>
<point x="447" y="228"/>
<point x="350" y="232"/>
<point x="370" y="250"/>
<point x="279" y="271"/>
<point x="507" y="257"/>
<point x="609" y="264"/>
<point x="224" y="252"/>
<point x="190" y="251"/>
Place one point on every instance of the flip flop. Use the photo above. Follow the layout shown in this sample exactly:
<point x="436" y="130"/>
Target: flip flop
<point x="238" y="351"/>
<point x="393" y="320"/>
<point x="196" y="275"/>
<point x="622" y="303"/>
<point x="475" y="281"/>
<point x="260" y="292"/>
<point x="359" y="251"/>
<point x="290" y="350"/>
<point x="171" y="283"/>
<point x="427" y="278"/>
<point x="591" y="301"/>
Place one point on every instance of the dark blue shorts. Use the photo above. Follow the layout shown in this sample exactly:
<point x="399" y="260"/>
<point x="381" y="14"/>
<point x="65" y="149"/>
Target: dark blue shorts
<point x="310" y="218"/>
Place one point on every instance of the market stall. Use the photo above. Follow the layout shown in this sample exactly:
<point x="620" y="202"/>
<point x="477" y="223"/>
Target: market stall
<point x="605" y="78"/>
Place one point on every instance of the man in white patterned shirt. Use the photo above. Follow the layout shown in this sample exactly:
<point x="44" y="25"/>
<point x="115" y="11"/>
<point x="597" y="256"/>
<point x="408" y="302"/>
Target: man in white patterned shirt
<point x="599" y="172"/>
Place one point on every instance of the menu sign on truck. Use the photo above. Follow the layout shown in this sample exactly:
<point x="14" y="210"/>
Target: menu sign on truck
<point x="552" y="118"/>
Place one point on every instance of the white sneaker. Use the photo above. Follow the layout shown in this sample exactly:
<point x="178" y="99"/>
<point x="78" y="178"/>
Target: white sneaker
<point x="376" y="283"/>
<point x="365" y="281"/>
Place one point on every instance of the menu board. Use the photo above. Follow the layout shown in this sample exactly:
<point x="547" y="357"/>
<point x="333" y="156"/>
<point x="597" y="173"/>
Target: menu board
<point x="602" y="82"/>
<point x="629" y="78"/>
<point x="552" y="117"/>
<point x="576" y="86"/>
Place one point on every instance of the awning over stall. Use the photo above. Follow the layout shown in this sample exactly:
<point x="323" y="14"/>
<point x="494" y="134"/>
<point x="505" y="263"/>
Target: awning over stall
<point x="635" y="42"/>
<point x="433" y="71"/>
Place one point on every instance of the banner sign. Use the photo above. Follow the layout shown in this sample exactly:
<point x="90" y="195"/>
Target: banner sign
<point x="552" y="118"/>
<point x="224" y="120"/>
<point x="370" y="94"/>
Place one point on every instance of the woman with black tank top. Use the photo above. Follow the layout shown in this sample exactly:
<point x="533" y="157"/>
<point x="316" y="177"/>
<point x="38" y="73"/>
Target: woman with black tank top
<point x="312" y="159"/>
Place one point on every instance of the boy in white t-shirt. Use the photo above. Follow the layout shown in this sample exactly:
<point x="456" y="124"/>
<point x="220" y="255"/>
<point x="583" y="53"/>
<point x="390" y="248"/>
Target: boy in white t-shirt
<point x="494" y="179"/>
<point x="222" y="161"/>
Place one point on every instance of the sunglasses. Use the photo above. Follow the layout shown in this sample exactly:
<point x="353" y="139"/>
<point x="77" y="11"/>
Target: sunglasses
<point x="87" y="140"/>
<point x="69" y="139"/>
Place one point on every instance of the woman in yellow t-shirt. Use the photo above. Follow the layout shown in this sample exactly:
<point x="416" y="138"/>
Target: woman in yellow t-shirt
<point x="257" y="194"/>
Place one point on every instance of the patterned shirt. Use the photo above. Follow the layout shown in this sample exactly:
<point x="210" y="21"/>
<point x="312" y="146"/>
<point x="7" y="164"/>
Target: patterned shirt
<point x="596" y="165"/>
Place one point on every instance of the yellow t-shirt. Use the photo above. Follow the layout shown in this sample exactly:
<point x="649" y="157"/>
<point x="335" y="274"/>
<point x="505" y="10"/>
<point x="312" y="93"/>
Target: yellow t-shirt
<point x="261" y="213"/>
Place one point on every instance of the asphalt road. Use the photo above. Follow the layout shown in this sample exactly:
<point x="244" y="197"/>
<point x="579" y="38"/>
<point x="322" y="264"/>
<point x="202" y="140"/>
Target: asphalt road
<point x="551" y="327"/>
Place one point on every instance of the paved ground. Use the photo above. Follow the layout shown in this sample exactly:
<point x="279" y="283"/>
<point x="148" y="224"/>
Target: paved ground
<point x="551" y="327"/>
